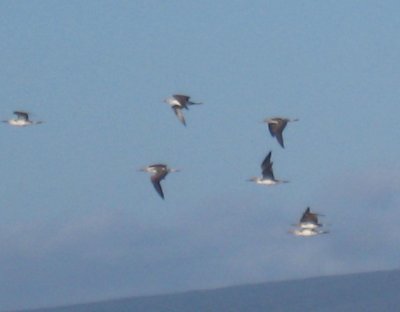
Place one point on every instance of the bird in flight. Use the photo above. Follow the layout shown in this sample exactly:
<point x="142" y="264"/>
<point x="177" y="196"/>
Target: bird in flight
<point x="276" y="126"/>
<point x="178" y="102"/>
<point x="159" y="172"/>
<point x="309" y="220"/>
<point x="308" y="225"/>
<point x="22" y="120"/>
<point x="267" y="173"/>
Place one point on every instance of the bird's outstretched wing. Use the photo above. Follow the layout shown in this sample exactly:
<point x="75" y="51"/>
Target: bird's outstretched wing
<point x="266" y="167"/>
<point x="22" y="115"/>
<point x="156" y="179"/>
<point x="178" y="112"/>
<point x="276" y="127"/>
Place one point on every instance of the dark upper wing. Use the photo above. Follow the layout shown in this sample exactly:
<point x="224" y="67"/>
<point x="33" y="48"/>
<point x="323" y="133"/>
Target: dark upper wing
<point x="268" y="173"/>
<point x="155" y="179"/>
<point x="304" y="217"/>
<point x="279" y="138"/>
<point x="266" y="167"/>
<point x="308" y="216"/>
<point x="266" y="161"/>
<point x="22" y="115"/>
<point x="276" y="129"/>
<point x="272" y="126"/>
<point x="179" y="114"/>
<point x="158" y="188"/>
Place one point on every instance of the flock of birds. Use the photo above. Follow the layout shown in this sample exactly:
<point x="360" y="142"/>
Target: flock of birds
<point x="307" y="226"/>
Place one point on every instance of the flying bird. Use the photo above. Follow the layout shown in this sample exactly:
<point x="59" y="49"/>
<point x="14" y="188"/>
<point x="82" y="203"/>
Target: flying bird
<point x="22" y="120"/>
<point x="276" y="126"/>
<point x="178" y="102"/>
<point x="267" y="173"/>
<point x="309" y="220"/>
<point x="159" y="172"/>
<point x="308" y="225"/>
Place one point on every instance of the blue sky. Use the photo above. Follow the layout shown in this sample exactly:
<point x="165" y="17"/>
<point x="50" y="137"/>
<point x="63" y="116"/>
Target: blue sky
<point x="78" y="222"/>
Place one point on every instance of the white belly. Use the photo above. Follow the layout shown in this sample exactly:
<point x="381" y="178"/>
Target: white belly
<point x="268" y="182"/>
<point x="19" y="122"/>
<point x="305" y="232"/>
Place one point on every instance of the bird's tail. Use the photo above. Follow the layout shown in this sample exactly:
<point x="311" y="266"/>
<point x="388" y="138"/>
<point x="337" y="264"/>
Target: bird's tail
<point x="194" y="103"/>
